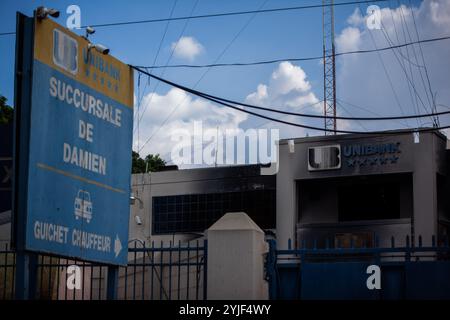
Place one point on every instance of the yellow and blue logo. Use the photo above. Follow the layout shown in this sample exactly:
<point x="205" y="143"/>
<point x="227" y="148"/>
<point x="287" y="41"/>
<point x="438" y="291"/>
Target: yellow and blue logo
<point x="65" y="51"/>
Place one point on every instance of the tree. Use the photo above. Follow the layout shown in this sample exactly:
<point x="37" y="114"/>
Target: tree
<point x="151" y="163"/>
<point x="6" y="111"/>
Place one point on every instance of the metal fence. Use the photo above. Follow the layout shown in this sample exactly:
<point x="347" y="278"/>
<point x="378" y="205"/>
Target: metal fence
<point x="156" y="272"/>
<point x="409" y="271"/>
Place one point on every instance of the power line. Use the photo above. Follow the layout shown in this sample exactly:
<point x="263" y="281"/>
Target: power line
<point x="239" y="64"/>
<point x="215" y="15"/>
<point x="221" y="102"/>
<point x="424" y="63"/>
<point x="306" y="115"/>
<point x="154" y="61"/>
<point x="168" y="60"/>
<point x="205" y="73"/>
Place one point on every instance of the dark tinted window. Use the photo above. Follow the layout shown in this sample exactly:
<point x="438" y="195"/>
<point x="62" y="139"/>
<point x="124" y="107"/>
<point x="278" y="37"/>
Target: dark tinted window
<point x="196" y="213"/>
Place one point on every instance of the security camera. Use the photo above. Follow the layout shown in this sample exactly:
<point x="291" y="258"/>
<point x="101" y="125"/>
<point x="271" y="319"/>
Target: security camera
<point x="99" y="47"/>
<point x="90" y="30"/>
<point x="138" y="220"/>
<point x="43" y="12"/>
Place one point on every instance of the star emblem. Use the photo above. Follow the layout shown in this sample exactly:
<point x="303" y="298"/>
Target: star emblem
<point x="362" y="162"/>
<point x="394" y="159"/>
<point x="350" y="162"/>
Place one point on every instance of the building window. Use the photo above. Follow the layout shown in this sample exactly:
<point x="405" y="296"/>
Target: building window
<point x="197" y="212"/>
<point x="376" y="201"/>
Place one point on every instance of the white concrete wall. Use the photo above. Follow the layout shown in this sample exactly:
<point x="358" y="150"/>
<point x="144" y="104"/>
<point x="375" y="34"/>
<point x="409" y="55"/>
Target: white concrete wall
<point x="236" y="249"/>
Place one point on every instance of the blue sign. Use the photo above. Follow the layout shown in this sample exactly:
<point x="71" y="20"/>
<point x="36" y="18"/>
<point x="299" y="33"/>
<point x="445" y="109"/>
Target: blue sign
<point x="80" y="137"/>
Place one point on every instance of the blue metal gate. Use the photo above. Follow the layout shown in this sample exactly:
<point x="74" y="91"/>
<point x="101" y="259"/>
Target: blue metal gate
<point x="409" y="272"/>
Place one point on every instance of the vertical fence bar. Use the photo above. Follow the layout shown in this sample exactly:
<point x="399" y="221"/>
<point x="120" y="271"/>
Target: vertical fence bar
<point x="13" y="288"/>
<point x="179" y="267"/>
<point x="134" y="272"/>
<point x="271" y="261"/>
<point x="126" y="283"/>
<point x="143" y="274"/>
<point x="197" y="272"/>
<point x="153" y="267"/>
<point x="161" y="271"/>
<point x="74" y="290"/>
<point x="205" y="268"/>
<point x="65" y="279"/>
<point x="82" y="280"/>
<point x="170" y="270"/>
<point x="100" y="278"/>
<point x="50" y="269"/>
<point x="41" y="274"/>
<point x="112" y="282"/>
<point x="188" y="269"/>
<point x="91" y="281"/>
<point x="58" y="276"/>
<point x="5" y="265"/>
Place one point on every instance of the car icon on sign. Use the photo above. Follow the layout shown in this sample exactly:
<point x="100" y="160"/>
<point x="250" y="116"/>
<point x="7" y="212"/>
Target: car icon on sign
<point x="83" y="206"/>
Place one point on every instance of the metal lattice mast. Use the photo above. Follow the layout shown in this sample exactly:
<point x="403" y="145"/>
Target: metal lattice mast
<point x="329" y="68"/>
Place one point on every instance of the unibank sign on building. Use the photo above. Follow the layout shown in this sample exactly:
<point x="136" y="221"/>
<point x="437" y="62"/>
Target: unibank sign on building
<point x="80" y="135"/>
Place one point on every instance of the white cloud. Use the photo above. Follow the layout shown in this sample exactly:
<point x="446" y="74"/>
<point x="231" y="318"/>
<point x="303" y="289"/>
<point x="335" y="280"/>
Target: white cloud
<point x="288" y="87"/>
<point x="376" y="81"/>
<point x="348" y="40"/>
<point x="188" y="110"/>
<point x="356" y="18"/>
<point x="187" y="48"/>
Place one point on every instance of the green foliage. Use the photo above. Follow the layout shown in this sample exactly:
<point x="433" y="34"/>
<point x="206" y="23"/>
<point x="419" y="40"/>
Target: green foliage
<point x="151" y="163"/>
<point x="6" y="111"/>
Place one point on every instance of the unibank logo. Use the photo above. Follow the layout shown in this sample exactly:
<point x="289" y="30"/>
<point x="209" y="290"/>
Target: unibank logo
<point x="65" y="51"/>
<point x="324" y="158"/>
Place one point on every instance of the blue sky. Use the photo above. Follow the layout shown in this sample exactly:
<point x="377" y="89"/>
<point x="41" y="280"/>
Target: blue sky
<point x="267" y="36"/>
<point x="291" y="34"/>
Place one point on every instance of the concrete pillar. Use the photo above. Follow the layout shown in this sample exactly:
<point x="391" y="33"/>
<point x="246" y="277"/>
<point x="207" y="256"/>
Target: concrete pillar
<point x="236" y="249"/>
<point x="425" y="190"/>
<point x="286" y="202"/>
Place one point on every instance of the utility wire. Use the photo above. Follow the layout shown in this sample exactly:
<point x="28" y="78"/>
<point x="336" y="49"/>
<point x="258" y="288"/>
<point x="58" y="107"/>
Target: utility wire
<point x="238" y="64"/>
<point x="154" y="61"/>
<point x="210" y="98"/>
<point x="205" y="73"/>
<point x="397" y="100"/>
<point x="306" y="115"/>
<point x="424" y="63"/>
<point x="168" y="60"/>
<point x="224" y="14"/>
<point x="415" y="102"/>
<point x="405" y="26"/>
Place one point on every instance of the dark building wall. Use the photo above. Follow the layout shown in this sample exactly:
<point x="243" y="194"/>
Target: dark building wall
<point x="183" y="201"/>
<point x="361" y="156"/>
